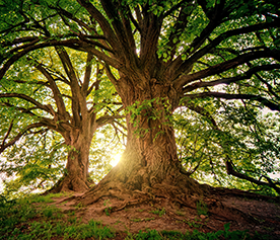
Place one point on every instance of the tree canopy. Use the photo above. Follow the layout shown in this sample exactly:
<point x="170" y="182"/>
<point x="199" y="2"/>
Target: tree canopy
<point x="208" y="68"/>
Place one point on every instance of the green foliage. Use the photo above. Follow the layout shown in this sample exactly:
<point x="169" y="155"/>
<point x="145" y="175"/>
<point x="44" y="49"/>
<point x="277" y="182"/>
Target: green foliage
<point x="26" y="171"/>
<point x="154" y="110"/>
<point x="107" y="209"/>
<point x="196" y="223"/>
<point x="16" y="221"/>
<point x="48" y="212"/>
<point x="151" y="234"/>
<point x="248" y="138"/>
<point x="158" y="211"/>
<point x="195" y="235"/>
<point x="201" y="208"/>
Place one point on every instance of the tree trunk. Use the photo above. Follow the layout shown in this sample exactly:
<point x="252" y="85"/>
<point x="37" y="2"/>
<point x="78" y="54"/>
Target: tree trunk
<point x="76" y="177"/>
<point x="149" y="171"/>
<point x="149" y="167"/>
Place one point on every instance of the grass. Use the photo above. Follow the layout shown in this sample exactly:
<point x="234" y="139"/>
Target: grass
<point x="17" y="221"/>
<point x="179" y="213"/>
<point x="193" y="224"/>
<point x="195" y="235"/>
<point x="79" y="206"/>
<point x="142" y="220"/>
<point x="22" y="220"/>
<point x="158" y="211"/>
<point x="201" y="208"/>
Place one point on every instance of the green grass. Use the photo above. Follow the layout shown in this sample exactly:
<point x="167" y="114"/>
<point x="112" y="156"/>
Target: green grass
<point x="17" y="221"/>
<point x="193" y="224"/>
<point x="142" y="220"/>
<point x="158" y="211"/>
<point x="195" y="235"/>
<point x="201" y="208"/>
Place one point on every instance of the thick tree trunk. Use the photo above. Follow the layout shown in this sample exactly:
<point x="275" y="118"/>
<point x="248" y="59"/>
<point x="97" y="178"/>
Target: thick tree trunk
<point x="149" y="171"/>
<point x="149" y="167"/>
<point x="76" y="177"/>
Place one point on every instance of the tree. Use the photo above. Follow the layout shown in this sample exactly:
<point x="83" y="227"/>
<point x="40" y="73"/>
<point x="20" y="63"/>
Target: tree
<point x="58" y="95"/>
<point x="168" y="54"/>
<point x="248" y="141"/>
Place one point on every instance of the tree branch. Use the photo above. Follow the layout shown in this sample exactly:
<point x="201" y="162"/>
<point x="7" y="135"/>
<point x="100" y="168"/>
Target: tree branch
<point x="222" y="67"/>
<point x="56" y="92"/>
<point x="231" y="171"/>
<point x="71" y="43"/>
<point x="272" y="106"/>
<point x="87" y="73"/>
<point x="18" y="136"/>
<point x="47" y="108"/>
<point x="246" y="75"/>
<point x="191" y="60"/>
<point x="104" y="24"/>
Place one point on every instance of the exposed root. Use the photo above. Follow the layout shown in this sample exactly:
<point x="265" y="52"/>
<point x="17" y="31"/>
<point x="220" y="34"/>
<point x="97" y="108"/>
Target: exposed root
<point x="241" y="193"/>
<point x="172" y="193"/>
<point x="68" y="184"/>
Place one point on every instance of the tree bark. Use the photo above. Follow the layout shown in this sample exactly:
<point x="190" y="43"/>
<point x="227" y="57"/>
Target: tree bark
<point x="76" y="177"/>
<point x="149" y="167"/>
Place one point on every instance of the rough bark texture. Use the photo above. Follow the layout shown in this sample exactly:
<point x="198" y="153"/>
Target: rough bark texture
<point x="149" y="168"/>
<point x="76" y="176"/>
<point x="149" y="171"/>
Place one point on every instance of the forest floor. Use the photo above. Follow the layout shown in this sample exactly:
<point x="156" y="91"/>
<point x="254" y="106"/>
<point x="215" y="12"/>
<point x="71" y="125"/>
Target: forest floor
<point x="261" y="216"/>
<point x="63" y="216"/>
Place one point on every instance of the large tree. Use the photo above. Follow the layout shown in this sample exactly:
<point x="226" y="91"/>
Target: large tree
<point x="168" y="54"/>
<point x="55" y="94"/>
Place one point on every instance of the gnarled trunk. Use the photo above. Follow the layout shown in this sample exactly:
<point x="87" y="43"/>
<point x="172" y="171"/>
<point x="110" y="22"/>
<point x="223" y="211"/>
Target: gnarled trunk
<point x="149" y="167"/>
<point x="149" y="170"/>
<point x="76" y="177"/>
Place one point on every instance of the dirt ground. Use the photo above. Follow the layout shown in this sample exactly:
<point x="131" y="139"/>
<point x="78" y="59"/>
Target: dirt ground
<point x="253" y="215"/>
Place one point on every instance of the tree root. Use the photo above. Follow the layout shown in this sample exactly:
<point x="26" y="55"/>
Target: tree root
<point x="169" y="194"/>
<point x="67" y="184"/>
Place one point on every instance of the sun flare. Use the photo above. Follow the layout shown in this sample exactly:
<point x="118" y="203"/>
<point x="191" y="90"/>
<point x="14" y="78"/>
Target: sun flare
<point x="115" y="159"/>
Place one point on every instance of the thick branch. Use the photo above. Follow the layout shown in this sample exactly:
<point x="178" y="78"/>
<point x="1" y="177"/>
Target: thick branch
<point x="71" y="43"/>
<point x="104" y="24"/>
<point x="87" y="73"/>
<point x="231" y="171"/>
<point x="227" y="65"/>
<point x="47" y="108"/>
<point x="246" y="75"/>
<point x="126" y="47"/>
<point x="57" y="95"/>
<point x="272" y="106"/>
<point x="17" y="137"/>
<point x="189" y="62"/>
<point x="179" y="27"/>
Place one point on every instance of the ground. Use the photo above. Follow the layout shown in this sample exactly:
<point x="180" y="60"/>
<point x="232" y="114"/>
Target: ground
<point x="261" y="215"/>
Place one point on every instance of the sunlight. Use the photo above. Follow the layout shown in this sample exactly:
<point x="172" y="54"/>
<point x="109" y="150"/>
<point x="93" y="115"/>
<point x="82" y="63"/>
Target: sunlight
<point x="115" y="159"/>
